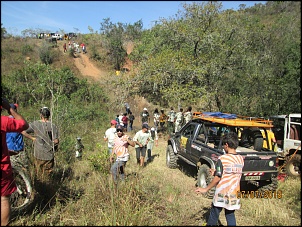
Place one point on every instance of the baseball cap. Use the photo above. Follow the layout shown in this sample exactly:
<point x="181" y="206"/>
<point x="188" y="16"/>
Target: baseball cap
<point x="119" y="127"/>
<point x="145" y="126"/>
<point x="145" y="108"/>
<point x="114" y="122"/>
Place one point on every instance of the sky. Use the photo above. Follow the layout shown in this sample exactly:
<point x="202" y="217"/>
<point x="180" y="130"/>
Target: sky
<point x="77" y="16"/>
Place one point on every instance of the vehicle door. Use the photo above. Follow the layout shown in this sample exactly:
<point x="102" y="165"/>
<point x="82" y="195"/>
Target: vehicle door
<point x="186" y="137"/>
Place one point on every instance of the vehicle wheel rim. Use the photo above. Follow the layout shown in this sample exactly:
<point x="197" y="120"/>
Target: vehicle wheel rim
<point x="202" y="181"/>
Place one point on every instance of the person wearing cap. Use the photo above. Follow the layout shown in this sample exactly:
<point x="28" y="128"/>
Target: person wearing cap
<point x="150" y="145"/>
<point x="110" y="135"/>
<point x="17" y="123"/>
<point x="45" y="136"/>
<point x="120" y="150"/>
<point x="144" y="116"/>
<point x="14" y="140"/>
<point x="141" y="139"/>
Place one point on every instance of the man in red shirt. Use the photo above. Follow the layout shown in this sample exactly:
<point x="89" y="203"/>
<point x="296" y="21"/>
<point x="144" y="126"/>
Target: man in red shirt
<point x="8" y="186"/>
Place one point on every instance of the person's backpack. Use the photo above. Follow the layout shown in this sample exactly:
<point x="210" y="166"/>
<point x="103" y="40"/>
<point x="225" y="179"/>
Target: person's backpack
<point x="131" y="117"/>
<point x="14" y="141"/>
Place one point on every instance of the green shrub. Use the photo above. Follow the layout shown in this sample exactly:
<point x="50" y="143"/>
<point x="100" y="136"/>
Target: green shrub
<point x="26" y="48"/>
<point x="45" y="54"/>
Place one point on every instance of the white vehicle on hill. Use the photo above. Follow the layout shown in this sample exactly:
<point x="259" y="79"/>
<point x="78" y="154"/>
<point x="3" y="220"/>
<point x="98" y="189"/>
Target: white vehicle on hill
<point x="57" y="36"/>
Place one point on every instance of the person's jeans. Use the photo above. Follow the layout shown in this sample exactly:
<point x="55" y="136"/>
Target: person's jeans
<point x="110" y="150"/>
<point x="214" y="216"/>
<point x="118" y="170"/>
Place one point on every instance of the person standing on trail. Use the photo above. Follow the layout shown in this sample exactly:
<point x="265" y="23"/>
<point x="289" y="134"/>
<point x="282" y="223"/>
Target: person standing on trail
<point x="171" y="120"/>
<point x="121" y="119"/>
<point x="117" y="119"/>
<point x="156" y="116"/>
<point x="144" y="116"/>
<point x="125" y="122"/>
<point x="162" y="119"/>
<point x="179" y="120"/>
<point x="8" y="186"/>
<point x="150" y="145"/>
<point x="46" y="141"/>
<point x="228" y="171"/>
<point x="188" y="115"/>
<point x="120" y="150"/>
<point x="131" y="119"/>
<point x="84" y="49"/>
<point x="65" y="47"/>
<point x="127" y="108"/>
<point x="141" y="139"/>
<point x="110" y="135"/>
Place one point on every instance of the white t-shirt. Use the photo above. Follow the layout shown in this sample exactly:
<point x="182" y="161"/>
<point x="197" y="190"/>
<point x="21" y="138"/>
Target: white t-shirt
<point x="110" y="134"/>
<point x="142" y="137"/>
<point x="156" y="117"/>
<point x="121" y="122"/>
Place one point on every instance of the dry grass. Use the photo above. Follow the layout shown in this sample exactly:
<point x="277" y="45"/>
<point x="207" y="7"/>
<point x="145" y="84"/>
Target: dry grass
<point x="153" y="195"/>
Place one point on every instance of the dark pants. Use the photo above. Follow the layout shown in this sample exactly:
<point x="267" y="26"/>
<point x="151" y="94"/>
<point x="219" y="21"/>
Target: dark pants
<point x="118" y="170"/>
<point x="171" y="127"/>
<point x="131" y="125"/>
<point x="214" y="216"/>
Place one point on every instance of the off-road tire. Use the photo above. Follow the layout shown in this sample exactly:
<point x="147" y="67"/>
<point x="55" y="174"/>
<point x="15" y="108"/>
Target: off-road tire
<point x="293" y="167"/>
<point x="171" y="158"/>
<point x="204" y="178"/>
<point x="252" y="137"/>
<point x="23" y="196"/>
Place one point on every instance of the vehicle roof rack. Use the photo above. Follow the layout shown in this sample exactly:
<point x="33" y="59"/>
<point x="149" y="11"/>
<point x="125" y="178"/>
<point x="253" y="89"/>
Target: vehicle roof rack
<point x="233" y="120"/>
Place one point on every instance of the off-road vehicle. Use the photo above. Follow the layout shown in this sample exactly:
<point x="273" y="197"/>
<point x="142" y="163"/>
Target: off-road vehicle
<point x="199" y="144"/>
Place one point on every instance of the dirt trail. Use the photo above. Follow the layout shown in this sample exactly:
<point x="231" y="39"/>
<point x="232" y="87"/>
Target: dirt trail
<point x="87" y="68"/>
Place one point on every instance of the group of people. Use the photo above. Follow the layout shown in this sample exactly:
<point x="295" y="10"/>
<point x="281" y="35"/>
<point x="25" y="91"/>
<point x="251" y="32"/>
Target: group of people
<point x="174" y="120"/>
<point x="118" y="143"/>
<point x="45" y="137"/>
<point x="75" y="46"/>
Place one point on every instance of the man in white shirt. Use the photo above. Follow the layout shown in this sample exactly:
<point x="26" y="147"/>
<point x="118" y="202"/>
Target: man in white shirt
<point x="141" y="139"/>
<point x="110" y="135"/>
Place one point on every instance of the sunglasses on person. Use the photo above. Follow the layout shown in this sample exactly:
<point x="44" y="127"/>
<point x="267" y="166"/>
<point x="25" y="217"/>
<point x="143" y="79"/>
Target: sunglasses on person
<point x="119" y="130"/>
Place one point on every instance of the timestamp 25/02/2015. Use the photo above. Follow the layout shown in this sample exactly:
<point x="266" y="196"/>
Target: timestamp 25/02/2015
<point x="267" y="194"/>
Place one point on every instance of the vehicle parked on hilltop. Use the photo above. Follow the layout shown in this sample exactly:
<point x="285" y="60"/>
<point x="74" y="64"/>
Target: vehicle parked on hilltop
<point x="57" y="36"/>
<point x="199" y="144"/>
